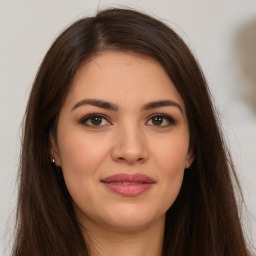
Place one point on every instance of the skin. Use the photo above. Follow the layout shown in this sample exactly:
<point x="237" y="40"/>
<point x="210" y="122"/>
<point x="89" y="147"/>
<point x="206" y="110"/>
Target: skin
<point x="128" y="140"/>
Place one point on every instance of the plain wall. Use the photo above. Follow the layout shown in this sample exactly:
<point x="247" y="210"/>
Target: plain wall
<point x="221" y="33"/>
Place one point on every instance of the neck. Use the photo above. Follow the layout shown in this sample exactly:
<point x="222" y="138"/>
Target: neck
<point x="140" y="242"/>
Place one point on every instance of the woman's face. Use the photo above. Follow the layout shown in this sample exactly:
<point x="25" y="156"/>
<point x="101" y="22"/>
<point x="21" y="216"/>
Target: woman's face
<point x="122" y="141"/>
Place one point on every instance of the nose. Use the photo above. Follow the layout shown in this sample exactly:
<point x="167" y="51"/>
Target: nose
<point x="129" y="146"/>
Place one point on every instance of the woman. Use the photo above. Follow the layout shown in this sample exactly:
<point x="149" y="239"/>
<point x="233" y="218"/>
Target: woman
<point x="122" y="153"/>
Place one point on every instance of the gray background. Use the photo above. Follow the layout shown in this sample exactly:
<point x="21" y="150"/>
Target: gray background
<point x="221" y="33"/>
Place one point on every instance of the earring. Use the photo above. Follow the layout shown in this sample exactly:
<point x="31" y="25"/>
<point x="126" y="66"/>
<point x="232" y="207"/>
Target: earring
<point x="53" y="161"/>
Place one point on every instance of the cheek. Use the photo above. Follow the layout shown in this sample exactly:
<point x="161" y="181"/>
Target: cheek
<point x="80" y="153"/>
<point x="171" y="154"/>
<point x="81" y="159"/>
<point x="74" y="156"/>
<point x="170" y="159"/>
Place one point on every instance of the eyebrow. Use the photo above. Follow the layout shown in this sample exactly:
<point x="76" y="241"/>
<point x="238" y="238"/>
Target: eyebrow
<point x="110" y="106"/>
<point x="96" y="103"/>
<point x="162" y="103"/>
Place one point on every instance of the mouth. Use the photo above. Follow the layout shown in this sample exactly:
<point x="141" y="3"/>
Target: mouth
<point x="128" y="185"/>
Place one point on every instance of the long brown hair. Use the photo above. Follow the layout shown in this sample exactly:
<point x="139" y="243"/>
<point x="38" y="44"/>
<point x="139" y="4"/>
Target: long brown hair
<point x="204" y="219"/>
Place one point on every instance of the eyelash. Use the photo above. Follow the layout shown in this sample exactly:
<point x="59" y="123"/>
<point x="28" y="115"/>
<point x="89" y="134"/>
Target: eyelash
<point x="93" y="115"/>
<point x="171" y="121"/>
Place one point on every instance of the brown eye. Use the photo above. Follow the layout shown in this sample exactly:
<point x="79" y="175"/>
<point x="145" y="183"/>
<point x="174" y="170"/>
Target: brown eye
<point x="95" y="120"/>
<point x="161" y="120"/>
<point x="157" y="120"/>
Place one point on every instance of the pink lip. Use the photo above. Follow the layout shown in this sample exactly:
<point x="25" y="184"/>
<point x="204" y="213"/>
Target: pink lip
<point x="141" y="183"/>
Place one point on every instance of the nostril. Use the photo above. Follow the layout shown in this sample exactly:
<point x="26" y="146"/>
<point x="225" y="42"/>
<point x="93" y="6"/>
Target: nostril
<point x="131" y="160"/>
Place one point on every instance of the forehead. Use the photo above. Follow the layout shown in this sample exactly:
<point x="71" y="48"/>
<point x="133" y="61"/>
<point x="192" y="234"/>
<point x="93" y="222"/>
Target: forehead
<point x="122" y="78"/>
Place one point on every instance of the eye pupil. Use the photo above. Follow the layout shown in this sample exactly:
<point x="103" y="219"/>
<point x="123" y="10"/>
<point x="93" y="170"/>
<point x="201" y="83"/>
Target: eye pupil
<point x="97" y="120"/>
<point x="157" y="120"/>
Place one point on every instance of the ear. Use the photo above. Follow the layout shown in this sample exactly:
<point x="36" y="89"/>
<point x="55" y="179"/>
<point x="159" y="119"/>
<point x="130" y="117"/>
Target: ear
<point x="189" y="158"/>
<point x="54" y="152"/>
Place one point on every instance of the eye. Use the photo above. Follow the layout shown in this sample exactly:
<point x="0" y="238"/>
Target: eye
<point x="161" y="120"/>
<point x="95" y="120"/>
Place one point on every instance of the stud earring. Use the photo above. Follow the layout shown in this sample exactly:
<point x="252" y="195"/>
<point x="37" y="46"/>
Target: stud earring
<point x="53" y="161"/>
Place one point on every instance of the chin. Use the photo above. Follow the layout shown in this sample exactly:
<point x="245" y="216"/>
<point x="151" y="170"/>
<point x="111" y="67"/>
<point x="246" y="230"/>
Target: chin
<point x="132" y="218"/>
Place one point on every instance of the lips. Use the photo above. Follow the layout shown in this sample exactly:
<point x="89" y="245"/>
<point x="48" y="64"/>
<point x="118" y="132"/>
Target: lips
<point x="129" y="185"/>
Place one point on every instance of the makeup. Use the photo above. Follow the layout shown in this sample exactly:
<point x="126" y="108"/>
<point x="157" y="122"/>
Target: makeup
<point x="129" y="185"/>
